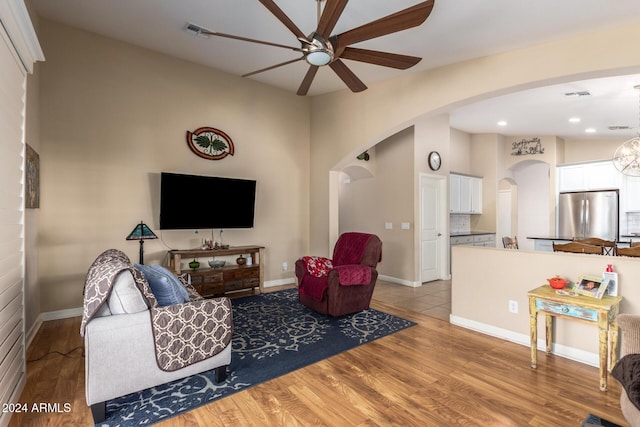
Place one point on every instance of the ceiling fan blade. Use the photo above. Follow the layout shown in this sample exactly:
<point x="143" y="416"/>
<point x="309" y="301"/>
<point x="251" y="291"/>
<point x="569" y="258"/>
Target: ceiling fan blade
<point x="330" y="15"/>
<point x="407" y="18"/>
<point x="385" y="59"/>
<point x="306" y="82"/>
<point x="282" y="17"/>
<point x="272" y="67"/>
<point x="245" y="39"/>
<point x="347" y="76"/>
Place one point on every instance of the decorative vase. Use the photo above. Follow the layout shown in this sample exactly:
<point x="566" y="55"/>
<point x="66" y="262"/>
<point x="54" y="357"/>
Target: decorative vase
<point x="241" y="260"/>
<point x="194" y="265"/>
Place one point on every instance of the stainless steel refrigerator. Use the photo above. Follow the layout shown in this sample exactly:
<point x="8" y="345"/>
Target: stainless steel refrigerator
<point x="588" y="214"/>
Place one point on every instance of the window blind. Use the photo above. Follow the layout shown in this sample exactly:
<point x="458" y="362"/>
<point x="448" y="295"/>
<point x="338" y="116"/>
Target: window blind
<point x="12" y="98"/>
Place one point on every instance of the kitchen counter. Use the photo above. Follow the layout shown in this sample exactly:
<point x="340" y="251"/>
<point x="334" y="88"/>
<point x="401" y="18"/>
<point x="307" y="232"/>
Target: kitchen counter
<point x="471" y="233"/>
<point x="545" y="243"/>
<point x="558" y="238"/>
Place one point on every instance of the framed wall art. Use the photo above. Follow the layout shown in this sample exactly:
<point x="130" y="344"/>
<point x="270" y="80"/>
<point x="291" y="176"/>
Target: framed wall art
<point x="32" y="179"/>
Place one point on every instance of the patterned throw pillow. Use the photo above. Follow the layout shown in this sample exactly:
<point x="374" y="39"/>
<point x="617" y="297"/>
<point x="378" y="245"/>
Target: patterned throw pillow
<point x="317" y="266"/>
<point x="166" y="287"/>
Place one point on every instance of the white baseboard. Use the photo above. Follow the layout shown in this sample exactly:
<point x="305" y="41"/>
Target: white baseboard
<point x="31" y="333"/>
<point x="577" y="355"/>
<point x="279" y="282"/>
<point x="61" y="314"/>
<point x="400" y="281"/>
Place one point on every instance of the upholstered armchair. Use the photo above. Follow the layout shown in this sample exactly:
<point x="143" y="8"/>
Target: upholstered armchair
<point x="343" y="284"/>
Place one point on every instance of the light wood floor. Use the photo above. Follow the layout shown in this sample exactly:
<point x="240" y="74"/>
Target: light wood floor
<point x="433" y="374"/>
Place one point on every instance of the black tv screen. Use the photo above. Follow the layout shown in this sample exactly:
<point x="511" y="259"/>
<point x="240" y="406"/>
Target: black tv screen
<point x="194" y="201"/>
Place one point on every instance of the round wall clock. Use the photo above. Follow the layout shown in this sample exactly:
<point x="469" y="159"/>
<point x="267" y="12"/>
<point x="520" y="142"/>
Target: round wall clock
<point x="434" y="160"/>
<point x="210" y="143"/>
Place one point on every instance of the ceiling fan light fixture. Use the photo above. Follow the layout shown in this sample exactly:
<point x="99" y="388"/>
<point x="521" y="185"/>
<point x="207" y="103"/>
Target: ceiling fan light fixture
<point x="318" y="58"/>
<point x="318" y="51"/>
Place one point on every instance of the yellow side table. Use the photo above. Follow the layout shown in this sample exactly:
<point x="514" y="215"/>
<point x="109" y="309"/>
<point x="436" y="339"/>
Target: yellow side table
<point x="602" y="312"/>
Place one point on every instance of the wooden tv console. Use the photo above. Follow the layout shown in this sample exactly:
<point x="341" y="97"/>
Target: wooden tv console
<point x="211" y="282"/>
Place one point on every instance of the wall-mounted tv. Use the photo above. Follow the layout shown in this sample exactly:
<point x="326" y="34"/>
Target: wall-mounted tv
<point x="195" y="201"/>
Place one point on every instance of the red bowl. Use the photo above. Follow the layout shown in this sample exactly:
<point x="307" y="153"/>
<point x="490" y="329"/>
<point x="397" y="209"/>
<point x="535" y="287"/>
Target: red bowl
<point x="557" y="282"/>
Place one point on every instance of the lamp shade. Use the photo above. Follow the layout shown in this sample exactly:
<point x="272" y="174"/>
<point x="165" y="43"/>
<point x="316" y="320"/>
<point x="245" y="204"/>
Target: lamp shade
<point x="141" y="232"/>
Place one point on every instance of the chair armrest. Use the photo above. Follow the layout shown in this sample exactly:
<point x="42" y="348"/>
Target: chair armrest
<point x="630" y="330"/>
<point x="334" y="276"/>
<point x="301" y="269"/>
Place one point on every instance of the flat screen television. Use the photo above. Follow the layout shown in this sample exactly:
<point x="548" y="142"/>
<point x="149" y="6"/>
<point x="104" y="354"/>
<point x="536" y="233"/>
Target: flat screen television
<point x="195" y="201"/>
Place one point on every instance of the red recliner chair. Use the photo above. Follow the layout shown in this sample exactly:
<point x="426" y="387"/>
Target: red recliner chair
<point x="345" y="283"/>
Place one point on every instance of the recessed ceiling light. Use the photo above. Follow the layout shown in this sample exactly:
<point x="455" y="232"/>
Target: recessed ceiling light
<point x="574" y="120"/>
<point x="502" y="123"/>
<point x="590" y="130"/>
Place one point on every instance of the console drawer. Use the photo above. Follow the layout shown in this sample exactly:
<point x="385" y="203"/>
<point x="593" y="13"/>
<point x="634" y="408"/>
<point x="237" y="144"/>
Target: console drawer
<point x="241" y="273"/>
<point x="567" y="310"/>
<point x="233" y="285"/>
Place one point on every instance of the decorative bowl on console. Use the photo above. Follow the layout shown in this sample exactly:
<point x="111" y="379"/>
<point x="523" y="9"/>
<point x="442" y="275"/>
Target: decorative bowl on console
<point x="557" y="282"/>
<point x="216" y="263"/>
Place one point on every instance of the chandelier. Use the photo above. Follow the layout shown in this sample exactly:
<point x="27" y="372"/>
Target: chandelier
<point x="627" y="157"/>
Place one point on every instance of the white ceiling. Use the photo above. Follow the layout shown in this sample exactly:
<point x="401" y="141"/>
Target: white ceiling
<point x="456" y="30"/>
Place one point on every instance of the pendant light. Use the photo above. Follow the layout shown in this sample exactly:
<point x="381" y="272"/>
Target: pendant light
<point x="627" y="157"/>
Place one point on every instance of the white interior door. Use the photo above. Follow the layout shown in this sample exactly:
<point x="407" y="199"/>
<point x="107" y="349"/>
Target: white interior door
<point x="431" y="233"/>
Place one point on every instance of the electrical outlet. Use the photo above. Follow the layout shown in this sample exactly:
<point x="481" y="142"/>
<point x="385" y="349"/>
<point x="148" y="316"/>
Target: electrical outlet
<point x="285" y="266"/>
<point x="513" y="306"/>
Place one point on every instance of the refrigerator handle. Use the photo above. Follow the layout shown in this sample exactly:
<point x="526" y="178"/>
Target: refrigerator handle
<point x="586" y="220"/>
<point x="581" y="219"/>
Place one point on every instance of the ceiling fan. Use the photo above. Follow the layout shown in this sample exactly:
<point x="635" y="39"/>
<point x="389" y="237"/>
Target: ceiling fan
<point x="321" y="48"/>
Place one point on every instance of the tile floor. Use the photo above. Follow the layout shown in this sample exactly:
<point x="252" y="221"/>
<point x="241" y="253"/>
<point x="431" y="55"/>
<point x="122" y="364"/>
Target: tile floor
<point x="432" y="298"/>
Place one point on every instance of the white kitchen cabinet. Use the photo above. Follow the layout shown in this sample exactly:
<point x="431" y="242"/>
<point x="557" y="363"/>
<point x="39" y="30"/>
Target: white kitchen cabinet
<point x="465" y="194"/>
<point x="632" y="193"/>
<point x="454" y="193"/>
<point x="588" y="176"/>
<point x="603" y="176"/>
<point x="572" y="178"/>
<point x="476" y="195"/>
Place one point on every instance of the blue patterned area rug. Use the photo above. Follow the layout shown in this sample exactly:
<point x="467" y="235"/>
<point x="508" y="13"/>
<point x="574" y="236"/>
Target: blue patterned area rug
<point x="593" y="421"/>
<point x="273" y="335"/>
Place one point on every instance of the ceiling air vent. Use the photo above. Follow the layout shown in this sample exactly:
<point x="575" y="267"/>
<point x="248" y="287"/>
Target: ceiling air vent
<point x="619" y="127"/>
<point x="579" y="93"/>
<point x="196" y="30"/>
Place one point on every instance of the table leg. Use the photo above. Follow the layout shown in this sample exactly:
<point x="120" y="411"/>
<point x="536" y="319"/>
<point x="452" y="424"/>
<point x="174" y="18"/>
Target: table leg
<point x="548" y="328"/>
<point x="613" y="344"/>
<point x="603" y="336"/>
<point x="533" y="329"/>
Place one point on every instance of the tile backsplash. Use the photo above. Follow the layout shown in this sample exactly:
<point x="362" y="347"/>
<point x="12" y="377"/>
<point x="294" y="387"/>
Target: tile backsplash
<point x="633" y="222"/>
<point x="459" y="224"/>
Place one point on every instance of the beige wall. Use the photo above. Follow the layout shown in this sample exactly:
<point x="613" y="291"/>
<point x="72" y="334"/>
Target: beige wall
<point x="486" y="151"/>
<point x="113" y="116"/>
<point x="367" y="204"/>
<point x="359" y="119"/>
<point x="484" y="280"/>
<point x="589" y="150"/>
<point x="460" y="152"/>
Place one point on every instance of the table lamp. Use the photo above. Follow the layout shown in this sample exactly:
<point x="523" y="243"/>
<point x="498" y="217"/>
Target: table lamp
<point x="141" y="232"/>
